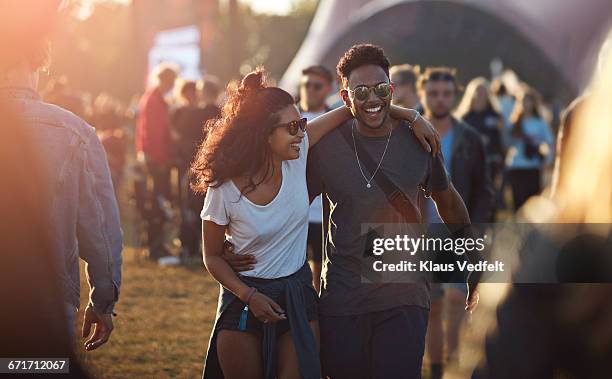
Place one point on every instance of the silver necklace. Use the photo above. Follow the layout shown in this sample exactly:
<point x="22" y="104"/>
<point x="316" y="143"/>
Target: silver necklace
<point x="368" y="181"/>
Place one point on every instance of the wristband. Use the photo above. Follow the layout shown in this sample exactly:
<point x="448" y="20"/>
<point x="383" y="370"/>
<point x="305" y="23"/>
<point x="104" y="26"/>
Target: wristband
<point x="416" y="117"/>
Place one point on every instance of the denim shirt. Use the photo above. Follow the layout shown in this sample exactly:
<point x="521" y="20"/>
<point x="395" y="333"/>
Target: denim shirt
<point x="82" y="206"/>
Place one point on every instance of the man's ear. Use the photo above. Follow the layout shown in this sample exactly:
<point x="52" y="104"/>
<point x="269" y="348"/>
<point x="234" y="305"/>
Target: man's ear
<point x="345" y="97"/>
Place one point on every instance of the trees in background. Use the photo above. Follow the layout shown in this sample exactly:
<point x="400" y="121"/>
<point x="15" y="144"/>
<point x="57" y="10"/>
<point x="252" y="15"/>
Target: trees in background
<point x="95" y="50"/>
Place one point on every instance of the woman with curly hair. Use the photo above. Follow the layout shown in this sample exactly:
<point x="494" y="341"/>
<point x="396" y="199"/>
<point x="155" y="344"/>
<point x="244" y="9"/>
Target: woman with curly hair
<point x="252" y="167"/>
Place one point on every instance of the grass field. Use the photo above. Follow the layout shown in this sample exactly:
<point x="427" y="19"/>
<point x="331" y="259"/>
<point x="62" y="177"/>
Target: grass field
<point x="165" y="316"/>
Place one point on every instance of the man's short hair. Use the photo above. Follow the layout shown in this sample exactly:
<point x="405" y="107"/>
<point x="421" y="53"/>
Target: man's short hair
<point x="319" y="70"/>
<point x="361" y="55"/>
<point x="164" y="70"/>
<point x="405" y="74"/>
<point x="434" y="74"/>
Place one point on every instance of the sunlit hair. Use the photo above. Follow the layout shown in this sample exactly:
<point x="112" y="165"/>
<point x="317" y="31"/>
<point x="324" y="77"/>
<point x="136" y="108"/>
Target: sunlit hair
<point x="586" y="193"/>
<point x="162" y="71"/>
<point x="518" y="113"/>
<point x="25" y="28"/>
<point x="467" y="102"/>
<point x="361" y="55"/>
<point x="237" y="142"/>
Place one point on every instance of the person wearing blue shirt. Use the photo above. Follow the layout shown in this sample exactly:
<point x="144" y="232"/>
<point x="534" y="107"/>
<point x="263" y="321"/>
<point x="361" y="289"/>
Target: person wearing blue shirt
<point x="465" y="160"/>
<point x="530" y="147"/>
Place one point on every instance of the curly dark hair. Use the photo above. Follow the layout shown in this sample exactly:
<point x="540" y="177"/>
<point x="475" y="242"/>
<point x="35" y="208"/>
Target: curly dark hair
<point x="361" y="55"/>
<point x="237" y="141"/>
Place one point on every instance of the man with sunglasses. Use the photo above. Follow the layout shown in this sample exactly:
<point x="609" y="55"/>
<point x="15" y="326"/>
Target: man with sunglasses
<point x="372" y="328"/>
<point x="315" y="87"/>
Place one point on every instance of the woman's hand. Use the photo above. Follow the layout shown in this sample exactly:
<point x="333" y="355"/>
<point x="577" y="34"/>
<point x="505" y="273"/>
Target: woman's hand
<point x="265" y="309"/>
<point x="422" y="128"/>
<point x="427" y="135"/>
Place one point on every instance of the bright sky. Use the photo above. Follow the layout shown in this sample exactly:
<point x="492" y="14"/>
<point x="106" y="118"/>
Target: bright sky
<point x="280" y="7"/>
<point x="270" y="6"/>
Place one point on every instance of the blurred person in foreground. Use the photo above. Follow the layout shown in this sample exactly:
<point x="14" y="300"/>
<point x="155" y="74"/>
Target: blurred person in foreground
<point x="315" y="87"/>
<point x="252" y="167"/>
<point x="35" y="324"/>
<point x="479" y="108"/>
<point x="530" y="147"/>
<point x="465" y="160"/>
<point x="189" y="130"/>
<point x="404" y="78"/>
<point x="83" y="219"/>
<point x="565" y="330"/>
<point x="153" y="145"/>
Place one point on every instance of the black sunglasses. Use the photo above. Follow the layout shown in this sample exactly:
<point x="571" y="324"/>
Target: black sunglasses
<point x="294" y="126"/>
<point x="361" y="93"/>
<point x="444" y="76"/>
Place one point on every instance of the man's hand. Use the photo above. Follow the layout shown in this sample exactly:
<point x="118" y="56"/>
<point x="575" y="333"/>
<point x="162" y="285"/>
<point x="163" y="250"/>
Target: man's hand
<point x="427" y="135"/>
<point x="103" y="327"/>
<point x="237" y="262"/>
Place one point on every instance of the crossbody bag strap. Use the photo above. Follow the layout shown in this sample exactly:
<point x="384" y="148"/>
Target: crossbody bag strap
<point x="396" y="197"/>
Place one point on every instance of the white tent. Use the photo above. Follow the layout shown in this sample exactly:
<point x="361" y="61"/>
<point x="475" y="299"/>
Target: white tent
<point x="567" y="33"/>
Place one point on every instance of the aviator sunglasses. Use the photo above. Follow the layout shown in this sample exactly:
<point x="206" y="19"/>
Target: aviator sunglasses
<point x="294" y="126"/>
<point x="361" y="93"/>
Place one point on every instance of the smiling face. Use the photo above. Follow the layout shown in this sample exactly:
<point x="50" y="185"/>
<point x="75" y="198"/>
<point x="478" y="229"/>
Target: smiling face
<point x="372" y="112"/>
<point x="285" y="146"/>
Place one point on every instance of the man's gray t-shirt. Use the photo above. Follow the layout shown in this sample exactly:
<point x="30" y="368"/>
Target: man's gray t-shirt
<point x="334" y="172"/>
